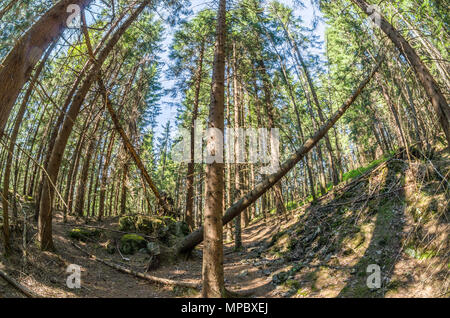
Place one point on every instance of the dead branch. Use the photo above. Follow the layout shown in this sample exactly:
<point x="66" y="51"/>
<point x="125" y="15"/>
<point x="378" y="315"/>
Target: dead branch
<point x="24" y="290"/>
<point x="160" y="280"/>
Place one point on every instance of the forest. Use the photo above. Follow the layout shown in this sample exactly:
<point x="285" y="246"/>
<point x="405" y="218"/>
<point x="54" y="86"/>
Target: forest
<point x="224" y="149"/>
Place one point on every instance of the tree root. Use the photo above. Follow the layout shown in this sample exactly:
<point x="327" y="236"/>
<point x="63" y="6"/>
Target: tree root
<point x="155" y="279"/>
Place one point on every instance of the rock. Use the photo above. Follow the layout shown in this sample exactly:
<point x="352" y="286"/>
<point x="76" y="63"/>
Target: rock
<point x="83" y="234"/>
<point x="127" y="223"/>
<point x="280" y="278"/>
<point x="153" y="248"/>
<point x="266" y="272"/>
<point x="130" y="243"/>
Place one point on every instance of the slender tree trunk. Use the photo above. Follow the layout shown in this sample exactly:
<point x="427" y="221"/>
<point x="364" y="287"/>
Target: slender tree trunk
<point x="281" y="209"/>
<point x="82" y="182"/>
<point x="191" y="164"/>
<point x="12" y="143"/>
<point x="123" y="193"/>
<point x="212" y="268"/>
<point x="17" y="66"/>
<point x="237" y="167"/>
<point x="104" y="179"/>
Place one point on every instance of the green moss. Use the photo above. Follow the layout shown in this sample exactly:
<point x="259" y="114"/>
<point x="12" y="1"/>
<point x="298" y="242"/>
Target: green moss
<point x="357" y="172"/>
<point x="292" y="283"/>
<point x="302" y="292"/>
<point x="291" y="205"/>
<point x="83" y="234"/>
<point x="127" y="223"/>
<point x="355" y="241"/>
<point x="394" y="285"/>
<point x="130" y="243"/>
<point x="419" y="253"/>
<point x="358" y="291"/>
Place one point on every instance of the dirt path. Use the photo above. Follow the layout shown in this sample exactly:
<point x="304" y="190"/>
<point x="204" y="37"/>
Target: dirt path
<point x="45" y="273"/>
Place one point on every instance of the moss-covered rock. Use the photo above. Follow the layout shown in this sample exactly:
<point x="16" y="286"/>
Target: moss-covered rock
<point x="153" y="248"/>
<point x="355" y="241"/>
<point x="182" y="228"/>
<point x="127" y="223"/>
<point x="159" y="226"/>
<point x="83" y="234"/>
<point x="130" y="243"/>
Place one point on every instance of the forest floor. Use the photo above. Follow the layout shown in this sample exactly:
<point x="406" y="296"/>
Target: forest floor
<point x="395" y="215"/>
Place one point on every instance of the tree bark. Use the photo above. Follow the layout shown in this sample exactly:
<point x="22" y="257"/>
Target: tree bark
<point x="191" y="164"/>
<point x="12" y="143"/>
<point x="213" y="284"/>
<point x="82" y="182"/>
<point x="17" y="66"/>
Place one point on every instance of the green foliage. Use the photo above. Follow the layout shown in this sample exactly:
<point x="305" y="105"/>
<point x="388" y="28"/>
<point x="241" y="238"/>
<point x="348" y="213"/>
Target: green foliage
<point x="359" y="171"/>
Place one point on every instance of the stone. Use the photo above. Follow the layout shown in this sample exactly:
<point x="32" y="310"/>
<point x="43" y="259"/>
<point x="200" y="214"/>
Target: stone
<point x="153" y="248"/>
<point x="130" y="243"/>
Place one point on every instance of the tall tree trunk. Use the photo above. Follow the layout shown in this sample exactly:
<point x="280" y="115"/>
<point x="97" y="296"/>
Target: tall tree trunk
<point x="82" y="182"/>
<point x="123" y="191"/>
<point x="212" y="268"/>
<point x="331" y="159"/>
<point x="281" y="209"/>
<point x="191" y="164"/>
<point x="237" y="167"/>
<point x="17" y="66"/>
<point x="104" y="179"/>
<point x="12" y="143"/>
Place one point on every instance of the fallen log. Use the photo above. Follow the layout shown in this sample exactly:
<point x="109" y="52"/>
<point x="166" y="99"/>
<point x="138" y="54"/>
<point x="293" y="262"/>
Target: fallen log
<point x="151" y="278"/>
<point x="236" y="208"/>
<point x="24" y="290"/>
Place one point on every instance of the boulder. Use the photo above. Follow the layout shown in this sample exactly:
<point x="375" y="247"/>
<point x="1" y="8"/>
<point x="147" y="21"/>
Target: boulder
<point x="127" y="223"/>
<point x="153" y="248"/>
<point x="83" y="234"/>
<point x="130" y="243"/>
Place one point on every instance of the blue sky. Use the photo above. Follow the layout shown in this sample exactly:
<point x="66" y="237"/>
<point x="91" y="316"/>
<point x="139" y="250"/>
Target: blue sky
<point x="167" y="111"/>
